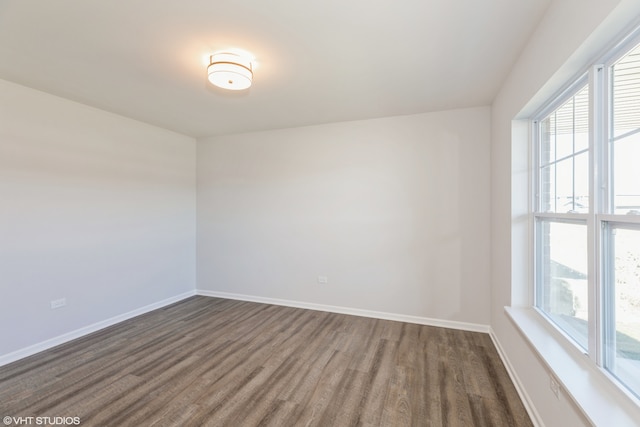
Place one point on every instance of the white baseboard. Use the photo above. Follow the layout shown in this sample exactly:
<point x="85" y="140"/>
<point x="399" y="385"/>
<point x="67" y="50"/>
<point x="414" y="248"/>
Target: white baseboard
<point x="45" y="345"/>
<point x="524" y="397"/>
<point x="473" y="327"/>
<point x="61" y="339"/>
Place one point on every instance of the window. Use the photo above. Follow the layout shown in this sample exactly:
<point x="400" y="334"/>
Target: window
<point x="622" y="326"/>
<point x="587" y="214"/>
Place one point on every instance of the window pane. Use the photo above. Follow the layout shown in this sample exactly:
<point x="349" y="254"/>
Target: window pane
<point x="581" y="120"/>
<point x="562" y="292"/>
<point x="549" y="197"/>
<point x="626" y="175"/>
<point x="564" y="157"/>
<point x="625" y="133"/>
<point x="622" y="306"/>
<point x="565" y="185"/>
<point x="581" y="183"/>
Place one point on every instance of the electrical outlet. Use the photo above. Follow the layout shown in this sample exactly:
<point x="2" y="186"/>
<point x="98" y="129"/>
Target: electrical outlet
<point x="57" y="303"/>
<point x="555" y="386"/>
<point x="323" y="280"/>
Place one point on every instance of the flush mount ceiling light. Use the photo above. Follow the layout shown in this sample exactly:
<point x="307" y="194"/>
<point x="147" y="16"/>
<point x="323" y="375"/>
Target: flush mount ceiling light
<point x="230" y="71"/>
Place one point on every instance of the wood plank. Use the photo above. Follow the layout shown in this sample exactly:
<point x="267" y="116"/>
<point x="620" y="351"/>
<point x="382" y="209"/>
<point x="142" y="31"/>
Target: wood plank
<point x="209" y="361"/>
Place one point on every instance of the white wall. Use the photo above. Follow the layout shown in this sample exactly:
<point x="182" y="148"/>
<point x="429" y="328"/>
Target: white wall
<point x="394" y="211"/>
<point x="572" y="33"/>
<point x="95" y="208"/>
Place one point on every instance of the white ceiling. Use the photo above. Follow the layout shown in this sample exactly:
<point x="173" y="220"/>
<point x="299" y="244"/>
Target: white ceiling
<point x="315" y="61"/>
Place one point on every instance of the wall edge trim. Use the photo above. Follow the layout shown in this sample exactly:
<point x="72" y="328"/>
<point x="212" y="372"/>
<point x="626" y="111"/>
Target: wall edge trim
<point x="522" y="392"/>
<point x="451" y="324"/>
<point x="78" y="333"/>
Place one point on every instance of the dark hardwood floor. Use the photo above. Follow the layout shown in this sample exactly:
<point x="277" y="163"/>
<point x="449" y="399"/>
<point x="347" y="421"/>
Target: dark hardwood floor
<point x="209" y="361"/>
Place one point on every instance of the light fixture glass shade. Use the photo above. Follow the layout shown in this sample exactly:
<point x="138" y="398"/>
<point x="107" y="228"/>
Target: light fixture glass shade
<point x="230" y="71"/>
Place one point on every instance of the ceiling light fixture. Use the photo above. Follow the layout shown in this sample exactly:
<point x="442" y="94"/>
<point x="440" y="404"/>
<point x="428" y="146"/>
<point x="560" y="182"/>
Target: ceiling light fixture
<point x="230" y="71"/>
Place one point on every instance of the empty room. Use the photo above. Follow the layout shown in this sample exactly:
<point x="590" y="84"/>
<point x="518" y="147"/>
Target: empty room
<point x="357" y="213"/>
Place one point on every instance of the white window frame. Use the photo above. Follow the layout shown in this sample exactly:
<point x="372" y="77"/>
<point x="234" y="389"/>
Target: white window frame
<point x="561" y="217"/>
<point x="601" y="213"/>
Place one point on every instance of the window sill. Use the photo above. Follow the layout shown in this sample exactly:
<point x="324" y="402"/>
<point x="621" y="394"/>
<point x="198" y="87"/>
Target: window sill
<point x="590" y="388"/>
